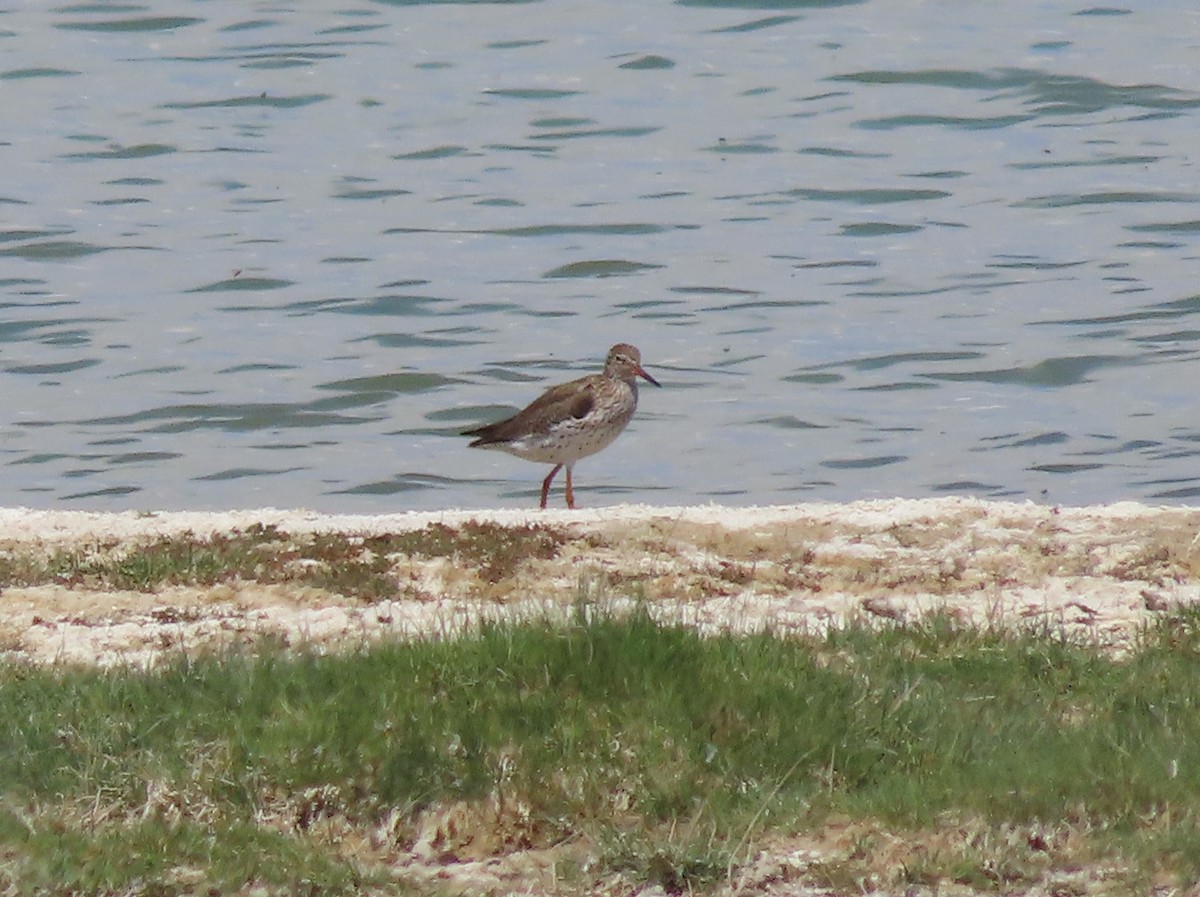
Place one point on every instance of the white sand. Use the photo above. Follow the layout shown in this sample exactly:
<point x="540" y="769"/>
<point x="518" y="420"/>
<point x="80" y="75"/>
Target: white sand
<point x="1101" y="573"/>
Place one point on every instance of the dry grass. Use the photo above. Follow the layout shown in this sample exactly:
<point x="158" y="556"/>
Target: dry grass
<point x="1101" y="576"/>
<point x="932" y="556"/>
<point x="366" y="567"/>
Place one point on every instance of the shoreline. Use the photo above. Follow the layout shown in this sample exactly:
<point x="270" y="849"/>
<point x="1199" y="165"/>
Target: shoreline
<point x="24" y="523"/>
<point x="1095" y="572"/>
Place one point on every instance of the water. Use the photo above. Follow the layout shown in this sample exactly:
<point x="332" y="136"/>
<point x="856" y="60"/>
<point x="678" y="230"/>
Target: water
<point x="268" y="254"/>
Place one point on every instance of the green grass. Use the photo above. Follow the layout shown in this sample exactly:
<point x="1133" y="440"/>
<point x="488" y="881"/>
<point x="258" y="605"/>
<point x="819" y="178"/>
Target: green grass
<point x="665" y="756"/>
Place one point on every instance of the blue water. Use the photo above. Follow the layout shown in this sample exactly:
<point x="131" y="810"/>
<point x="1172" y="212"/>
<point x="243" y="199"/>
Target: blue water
<point x="265" y="254"/>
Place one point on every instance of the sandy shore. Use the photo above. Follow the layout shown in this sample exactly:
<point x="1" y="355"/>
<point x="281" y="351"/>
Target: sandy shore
<point x="1099" y="572"/>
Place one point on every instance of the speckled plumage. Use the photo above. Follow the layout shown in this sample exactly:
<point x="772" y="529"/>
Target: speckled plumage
<point x="572" y="420"/>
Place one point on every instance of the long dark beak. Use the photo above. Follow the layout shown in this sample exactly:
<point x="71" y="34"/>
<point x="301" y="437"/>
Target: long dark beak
<point x="641" y="372"/>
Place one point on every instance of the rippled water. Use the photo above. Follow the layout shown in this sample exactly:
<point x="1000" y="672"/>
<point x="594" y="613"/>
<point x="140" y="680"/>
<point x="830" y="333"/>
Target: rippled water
<point x="265" y="254"/>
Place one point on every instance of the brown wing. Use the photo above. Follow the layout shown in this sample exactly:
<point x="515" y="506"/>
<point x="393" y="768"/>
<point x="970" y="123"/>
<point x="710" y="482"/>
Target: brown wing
<point x="575" y="399"/>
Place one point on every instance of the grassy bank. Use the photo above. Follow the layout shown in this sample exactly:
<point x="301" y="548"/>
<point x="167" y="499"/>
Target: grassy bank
<point x="921" y="755"/>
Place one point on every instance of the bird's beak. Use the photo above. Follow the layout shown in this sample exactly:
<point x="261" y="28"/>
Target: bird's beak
<point x="641" y="372"/>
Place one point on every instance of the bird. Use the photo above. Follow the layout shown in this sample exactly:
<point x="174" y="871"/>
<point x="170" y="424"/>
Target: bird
<point x="572" y="420"/>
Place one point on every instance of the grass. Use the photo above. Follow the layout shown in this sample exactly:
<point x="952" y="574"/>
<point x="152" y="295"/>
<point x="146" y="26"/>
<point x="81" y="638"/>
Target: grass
<point x="643" y="751"/>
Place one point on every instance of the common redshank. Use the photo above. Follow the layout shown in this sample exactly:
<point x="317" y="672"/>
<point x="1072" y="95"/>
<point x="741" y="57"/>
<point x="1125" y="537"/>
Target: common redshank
<point x="572" y="420"/>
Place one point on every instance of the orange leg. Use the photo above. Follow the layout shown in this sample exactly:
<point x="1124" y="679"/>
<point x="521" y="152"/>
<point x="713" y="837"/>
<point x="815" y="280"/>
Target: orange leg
<point x="570" y="489"/>
<point x="546" y="484"/>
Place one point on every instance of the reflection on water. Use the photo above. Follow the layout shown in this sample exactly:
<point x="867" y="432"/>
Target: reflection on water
<point x="270" y="256"/>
